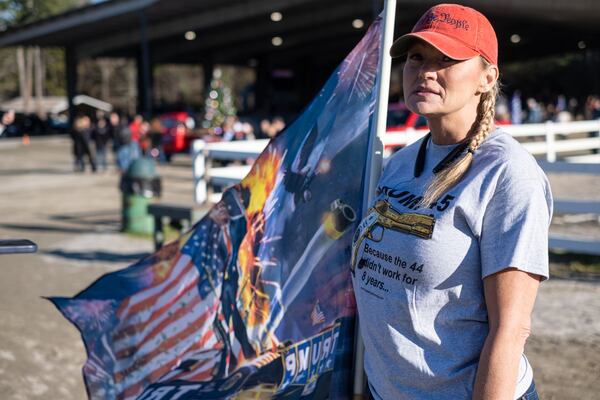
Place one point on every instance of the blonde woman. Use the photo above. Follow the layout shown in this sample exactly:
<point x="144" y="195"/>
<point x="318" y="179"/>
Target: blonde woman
<point x="448" y="261"/>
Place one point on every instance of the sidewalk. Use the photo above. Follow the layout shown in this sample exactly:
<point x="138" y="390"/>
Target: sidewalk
<point x="74" y="219"/>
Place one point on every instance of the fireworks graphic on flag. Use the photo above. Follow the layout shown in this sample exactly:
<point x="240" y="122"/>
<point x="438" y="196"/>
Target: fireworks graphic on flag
<point x="358" y="71"/>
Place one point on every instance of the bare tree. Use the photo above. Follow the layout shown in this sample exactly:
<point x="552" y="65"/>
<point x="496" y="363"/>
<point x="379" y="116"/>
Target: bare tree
<point x="23" y="82"/>
<point x="39" y="79"/>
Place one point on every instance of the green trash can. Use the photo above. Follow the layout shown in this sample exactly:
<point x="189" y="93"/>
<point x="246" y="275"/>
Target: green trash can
<point x="140" y="184"/>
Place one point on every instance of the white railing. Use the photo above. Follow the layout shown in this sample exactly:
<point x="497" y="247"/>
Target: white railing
<point x="549" y="138"/>
<point x="553" y="138"/>
<point x="206" y="177"/>
<point x="556" y="137"/>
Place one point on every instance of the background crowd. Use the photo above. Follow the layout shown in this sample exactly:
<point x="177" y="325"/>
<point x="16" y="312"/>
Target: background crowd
<point x="97" y="135"/>
<point x="129" y="138"/>
<point x="558" y="108"/>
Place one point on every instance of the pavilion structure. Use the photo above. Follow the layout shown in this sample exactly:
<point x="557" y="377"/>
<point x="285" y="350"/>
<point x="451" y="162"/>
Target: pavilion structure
<point x="306" y="38"/>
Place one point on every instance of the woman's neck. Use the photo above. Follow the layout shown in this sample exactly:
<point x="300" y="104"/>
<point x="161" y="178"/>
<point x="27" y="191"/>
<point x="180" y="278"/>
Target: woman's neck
<point x="451" y="128"/>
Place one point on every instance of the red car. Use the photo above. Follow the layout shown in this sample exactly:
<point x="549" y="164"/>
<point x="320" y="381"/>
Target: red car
<point x="177" y="128"/>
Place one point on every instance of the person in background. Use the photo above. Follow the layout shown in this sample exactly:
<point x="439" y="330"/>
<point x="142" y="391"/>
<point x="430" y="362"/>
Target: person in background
<point x="592" y="107"/>
<point x="144" y="138"/>
<point x="6" y="123"/>
<point x="134" y="127"/>
<point x="516" y="108"/>
<point x="101" y="134"/>
<point x="81" y="136"/>
<point x="502" y="112"/>
<point x="156" y="140"/>
<point x="248" y="130"/>
<point x="534" y="116"/>
<point x="265" y="129"/>
<point x="277" y="125"/>
<point x="592" y="111"/>
<point x="116" y="125"/>
<point x="128" y="151"/>
<point x="228" y="128"/>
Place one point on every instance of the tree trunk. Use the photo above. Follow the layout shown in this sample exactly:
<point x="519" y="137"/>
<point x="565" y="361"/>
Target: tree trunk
<point x="22" y="76"/>
<point x="105" y="72"/>
<point x="131" y="89"/>
<point x="39" y="83"/>
<point x="28" y="79"/>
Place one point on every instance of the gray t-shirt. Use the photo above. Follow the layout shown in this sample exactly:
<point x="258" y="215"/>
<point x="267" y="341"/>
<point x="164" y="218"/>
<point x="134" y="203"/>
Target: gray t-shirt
<point x="420" y="301"/>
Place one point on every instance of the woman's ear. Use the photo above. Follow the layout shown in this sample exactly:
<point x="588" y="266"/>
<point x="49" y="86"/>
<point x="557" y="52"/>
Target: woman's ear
<point x="489" y="76"/>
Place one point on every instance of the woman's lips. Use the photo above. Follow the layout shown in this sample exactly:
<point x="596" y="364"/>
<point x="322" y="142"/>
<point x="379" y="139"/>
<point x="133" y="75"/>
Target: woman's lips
<point x="422" y="91"/>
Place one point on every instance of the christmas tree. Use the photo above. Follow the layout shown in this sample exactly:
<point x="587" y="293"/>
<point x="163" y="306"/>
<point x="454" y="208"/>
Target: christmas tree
<point x="218" y="103"/>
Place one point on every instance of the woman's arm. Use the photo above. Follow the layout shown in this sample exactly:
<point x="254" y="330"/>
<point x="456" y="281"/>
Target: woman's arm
<point x="509" y="296"/>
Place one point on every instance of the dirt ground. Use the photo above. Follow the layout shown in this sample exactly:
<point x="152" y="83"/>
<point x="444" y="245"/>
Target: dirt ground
<point x="74" y="219"/>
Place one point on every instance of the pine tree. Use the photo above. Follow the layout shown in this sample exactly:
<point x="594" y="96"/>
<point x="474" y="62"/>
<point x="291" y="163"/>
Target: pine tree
<point x="218" y="103"/>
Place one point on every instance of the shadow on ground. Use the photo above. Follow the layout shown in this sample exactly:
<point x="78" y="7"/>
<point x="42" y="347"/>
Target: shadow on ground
<point x="58" y="229"/>
<point x="88" y="222"/>
<point x="106" y="217"/>
<point x="103" y="256"/>
<point x="579" y="267"/>
<point x="35" y="171"/>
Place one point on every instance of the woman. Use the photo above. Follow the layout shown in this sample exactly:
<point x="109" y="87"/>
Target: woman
<point x="448" y="261"/>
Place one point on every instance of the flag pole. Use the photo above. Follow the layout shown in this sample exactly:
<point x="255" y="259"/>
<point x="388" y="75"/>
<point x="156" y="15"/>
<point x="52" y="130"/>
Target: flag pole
<point x="375" y="160"/>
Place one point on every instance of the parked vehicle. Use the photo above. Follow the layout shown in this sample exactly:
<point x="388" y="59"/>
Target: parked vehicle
<point x="177" y="132"/>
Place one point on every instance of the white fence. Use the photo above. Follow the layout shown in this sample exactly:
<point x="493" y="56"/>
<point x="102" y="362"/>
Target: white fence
<point x="206" y="177"/>
<point x="549" y="139"/>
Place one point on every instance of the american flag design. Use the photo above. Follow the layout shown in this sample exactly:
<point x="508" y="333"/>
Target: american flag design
<point x="317" y="316"/>
<point x="236" y="306"/>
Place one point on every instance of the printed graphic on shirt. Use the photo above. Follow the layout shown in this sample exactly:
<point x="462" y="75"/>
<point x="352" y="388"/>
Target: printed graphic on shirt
<point x="409" y="200"/>
<point x="376" y="268"/>
<point x="383" y="217"/>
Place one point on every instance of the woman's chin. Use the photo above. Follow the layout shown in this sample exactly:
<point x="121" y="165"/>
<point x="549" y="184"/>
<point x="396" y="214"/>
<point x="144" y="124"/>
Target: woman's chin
<point x="424" y="109"/>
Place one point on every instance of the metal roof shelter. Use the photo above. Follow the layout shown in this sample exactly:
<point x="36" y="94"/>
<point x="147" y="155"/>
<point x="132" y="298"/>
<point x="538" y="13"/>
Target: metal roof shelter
<point x="316" y="34"/>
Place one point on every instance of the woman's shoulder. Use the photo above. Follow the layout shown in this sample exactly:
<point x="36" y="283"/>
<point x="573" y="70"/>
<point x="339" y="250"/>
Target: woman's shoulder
<point x="501" y="151"/>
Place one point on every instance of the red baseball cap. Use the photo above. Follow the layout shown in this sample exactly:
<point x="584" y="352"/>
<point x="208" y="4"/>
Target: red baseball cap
<point x="457" y="31"/>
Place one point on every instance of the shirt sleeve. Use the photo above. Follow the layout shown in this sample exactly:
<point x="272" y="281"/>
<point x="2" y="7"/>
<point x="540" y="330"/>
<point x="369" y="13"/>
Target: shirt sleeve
<point x="515" y="228"/>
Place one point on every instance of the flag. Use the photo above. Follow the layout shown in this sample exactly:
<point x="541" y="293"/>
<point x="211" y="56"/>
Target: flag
<point x="255" y="301"/>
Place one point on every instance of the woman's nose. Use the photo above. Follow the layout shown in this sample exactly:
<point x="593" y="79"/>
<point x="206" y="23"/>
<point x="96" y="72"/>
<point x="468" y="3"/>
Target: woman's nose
<point x="428" y="70"/>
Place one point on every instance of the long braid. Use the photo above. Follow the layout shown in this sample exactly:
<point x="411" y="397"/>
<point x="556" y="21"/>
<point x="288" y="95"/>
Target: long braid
<point x="482" y="127"/>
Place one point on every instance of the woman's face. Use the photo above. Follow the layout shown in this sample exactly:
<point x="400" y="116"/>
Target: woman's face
<point x="437" y="86"/>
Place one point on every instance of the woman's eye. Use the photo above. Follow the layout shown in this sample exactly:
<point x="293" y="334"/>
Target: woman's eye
<point x="415" y="57"/>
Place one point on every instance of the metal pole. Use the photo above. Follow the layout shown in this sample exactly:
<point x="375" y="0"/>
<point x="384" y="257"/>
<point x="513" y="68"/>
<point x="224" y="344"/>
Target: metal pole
<point x="71" y="79"/>
<point x="144" y="69"/>
<point x="199" y="169"/>
<point x="374" y="159"/>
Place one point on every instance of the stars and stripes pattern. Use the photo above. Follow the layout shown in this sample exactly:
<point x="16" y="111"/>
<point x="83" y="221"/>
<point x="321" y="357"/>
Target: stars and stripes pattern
<point x="166" y="328"/>
<point x="163" y="325"/>
<point x="317" y="316"/>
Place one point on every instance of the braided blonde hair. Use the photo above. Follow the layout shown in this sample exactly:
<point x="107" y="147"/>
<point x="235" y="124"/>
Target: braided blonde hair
<point x="482" y="127"/>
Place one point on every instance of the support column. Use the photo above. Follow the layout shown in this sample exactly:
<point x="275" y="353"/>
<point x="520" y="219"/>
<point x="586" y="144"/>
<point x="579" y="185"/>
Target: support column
<point x="144" y="71"/>
<point x="208" y="67"/>
<point x="71" y="80"/>
<point x="264" y="85"/>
